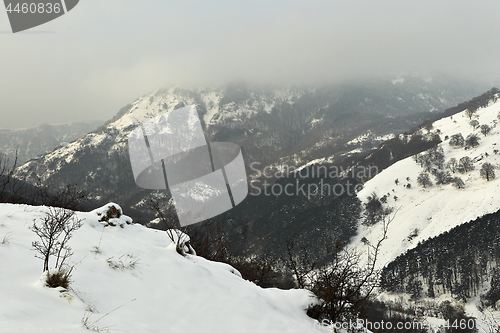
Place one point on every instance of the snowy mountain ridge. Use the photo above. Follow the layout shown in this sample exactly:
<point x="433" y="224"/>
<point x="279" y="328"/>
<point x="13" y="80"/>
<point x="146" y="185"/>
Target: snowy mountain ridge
<point x="159" y="102"/>
<point x="291" y="125"/>
<point x="33" y="142"/>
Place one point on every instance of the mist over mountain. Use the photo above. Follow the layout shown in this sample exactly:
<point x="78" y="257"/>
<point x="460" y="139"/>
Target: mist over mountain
<point x="272" y="125"/>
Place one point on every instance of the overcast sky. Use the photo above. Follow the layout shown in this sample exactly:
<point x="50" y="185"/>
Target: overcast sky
<point x="104" y="54"/>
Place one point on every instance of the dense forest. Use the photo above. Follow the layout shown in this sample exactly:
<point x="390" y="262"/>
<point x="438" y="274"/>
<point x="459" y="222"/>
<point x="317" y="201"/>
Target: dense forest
<point x="461" y="261"/>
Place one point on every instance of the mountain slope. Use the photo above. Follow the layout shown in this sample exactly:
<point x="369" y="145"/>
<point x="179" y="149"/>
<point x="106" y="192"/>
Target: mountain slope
<point x="421" y="213"/>
<point x="132" y="279"/>
<point x="36" y="141"/>
<point x="291" y="125"/>
<point x="461" y="262"/>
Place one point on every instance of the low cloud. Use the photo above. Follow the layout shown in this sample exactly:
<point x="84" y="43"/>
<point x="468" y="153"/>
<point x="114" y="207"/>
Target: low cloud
<point x="103" y="55"/>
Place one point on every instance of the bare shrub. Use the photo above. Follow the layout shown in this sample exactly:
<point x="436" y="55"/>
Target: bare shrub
<point x="55" y="229"/>
<point x="458" y="182"/>
<point x="344" y="285"/>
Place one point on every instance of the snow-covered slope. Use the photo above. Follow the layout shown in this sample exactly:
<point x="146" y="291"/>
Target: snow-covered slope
<point x="133" y="280"/>
<point x="423" y="213"/>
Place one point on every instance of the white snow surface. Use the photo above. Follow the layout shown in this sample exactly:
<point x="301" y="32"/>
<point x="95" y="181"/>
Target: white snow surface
<point x="369" y="136"/>
<point x="436" y="209"/>
<point x="162" y="292"/>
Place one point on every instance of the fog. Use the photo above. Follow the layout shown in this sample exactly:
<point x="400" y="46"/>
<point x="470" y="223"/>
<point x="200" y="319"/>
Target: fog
<point x="102" y="55"/>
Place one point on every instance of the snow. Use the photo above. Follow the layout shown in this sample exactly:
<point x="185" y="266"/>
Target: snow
<point x="370" y="137"/>
<point x="353" y="151"/>
<point x="436" y="209"/>
<point x="211" y="100"/>
<point x="131" y="279"/>
<point x="317" y="161"/>
<point x="111" y="214"/>
<point x="316" y="122"/>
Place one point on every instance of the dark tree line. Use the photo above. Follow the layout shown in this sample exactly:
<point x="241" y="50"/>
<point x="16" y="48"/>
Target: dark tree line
<point x="459" y="261"/>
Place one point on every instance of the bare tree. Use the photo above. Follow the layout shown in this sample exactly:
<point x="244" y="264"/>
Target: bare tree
<point x="487" y="171"/>
<point x="424" y="180"/>
<point x="472" y="141"/>
<point x="457" y="140"/>
<point x="15" y="189"/>
<point x="452" y="164"/>
<point x="485" y="129"/>
<point x="465" y="165"/>
<point x="55" y="230"/>
<point x="470" y="111"/>
<point x="69" y="197"/>
<point x="5" y="174"/>
<point x="344" y="285"/>
<point x="11" y="187"/>
<point x="299" y="262"/>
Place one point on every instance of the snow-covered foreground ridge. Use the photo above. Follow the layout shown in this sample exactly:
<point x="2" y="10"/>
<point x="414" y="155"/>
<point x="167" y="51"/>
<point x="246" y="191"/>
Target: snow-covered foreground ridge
<point x="424" y="213"/>
<point x="136" y="272"/>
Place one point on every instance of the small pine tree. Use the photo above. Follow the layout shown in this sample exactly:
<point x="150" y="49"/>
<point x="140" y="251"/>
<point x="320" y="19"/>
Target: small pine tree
<point x="373" y="210"/>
